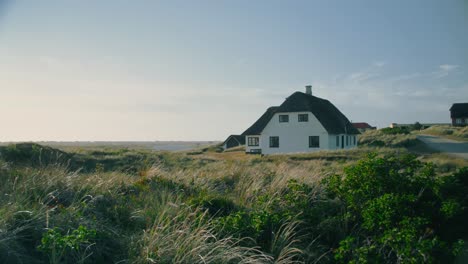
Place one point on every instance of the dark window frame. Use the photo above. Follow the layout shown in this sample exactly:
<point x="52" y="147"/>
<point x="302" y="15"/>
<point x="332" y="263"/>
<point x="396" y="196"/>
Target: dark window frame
<point x="337" y="141"/>
<point x="305" y="118"/>
<point x="314" y="141"/>
<point x="253" y="141"/>
<point x="286" y="120"/>
<point x="274" y="142"/>
<point x="354" y="140"/>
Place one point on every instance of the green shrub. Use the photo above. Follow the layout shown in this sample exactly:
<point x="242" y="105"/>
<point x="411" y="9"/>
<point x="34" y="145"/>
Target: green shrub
<point x="72" y="247"/>
<point x="454" y="207"/>
<point x="397" y="210"/>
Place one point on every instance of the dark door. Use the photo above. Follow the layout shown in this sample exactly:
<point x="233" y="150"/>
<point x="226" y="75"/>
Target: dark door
<point x="342" y="141"/>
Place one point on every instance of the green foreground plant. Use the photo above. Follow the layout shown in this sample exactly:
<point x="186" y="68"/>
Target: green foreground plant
<point x="398" y="210"/>
<point x="72" y="246"/>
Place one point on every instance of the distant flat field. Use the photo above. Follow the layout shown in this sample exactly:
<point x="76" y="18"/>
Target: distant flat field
<point x="148" y="145"/>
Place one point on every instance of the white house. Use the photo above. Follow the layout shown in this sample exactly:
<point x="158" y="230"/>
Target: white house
<point x="302" y="123"/>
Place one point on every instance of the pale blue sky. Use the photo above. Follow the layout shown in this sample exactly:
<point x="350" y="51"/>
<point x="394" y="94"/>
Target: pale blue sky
<point x="201" y="70"/>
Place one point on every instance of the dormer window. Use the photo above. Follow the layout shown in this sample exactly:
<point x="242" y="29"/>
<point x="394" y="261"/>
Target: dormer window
<point x="303" y="118"/>
<point x="283" y="118"/>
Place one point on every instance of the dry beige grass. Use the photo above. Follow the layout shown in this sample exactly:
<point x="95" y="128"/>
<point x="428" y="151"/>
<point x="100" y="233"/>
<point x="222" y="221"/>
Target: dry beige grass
<point x="377" y="138"/>
<point x="457" y="133"/>
<point x="152" y="199"/>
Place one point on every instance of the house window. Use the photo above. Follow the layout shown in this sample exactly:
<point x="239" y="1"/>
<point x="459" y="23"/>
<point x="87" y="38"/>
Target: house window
<point x="354" y="139"/>
<point x="274" y="142"/>
<point x="466" y="120"/>
<point x="283" y="118"/>
<point x="314" y="142"/>
<point x="252" y="141"/>
<point x="303" y="118"/>
<point x="337" y="141"/>
<point x="347" y="140"/>
<point x="458" y="121"/>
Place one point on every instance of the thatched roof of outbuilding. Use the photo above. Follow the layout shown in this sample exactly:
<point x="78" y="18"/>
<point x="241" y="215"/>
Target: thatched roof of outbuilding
<point x="239" y="138"/>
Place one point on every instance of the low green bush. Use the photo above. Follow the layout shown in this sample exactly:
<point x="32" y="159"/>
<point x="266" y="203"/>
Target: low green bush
<point x="397" y="210"/>
<point x="73" y="247"/>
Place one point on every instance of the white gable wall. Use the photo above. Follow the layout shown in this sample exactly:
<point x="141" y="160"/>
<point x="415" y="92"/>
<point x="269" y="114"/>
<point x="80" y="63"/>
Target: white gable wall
<point x="293" y="135"/>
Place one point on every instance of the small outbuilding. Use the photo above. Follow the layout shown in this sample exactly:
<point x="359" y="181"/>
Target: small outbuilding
<point x="234" y="141"/>
<point x="459" y="114"/>
<point x="363" y="126"/>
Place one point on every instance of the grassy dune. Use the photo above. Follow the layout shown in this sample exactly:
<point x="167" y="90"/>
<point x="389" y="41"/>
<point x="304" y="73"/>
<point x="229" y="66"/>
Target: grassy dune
<point x="457" y="133"/>
<point x="138" y="206"/>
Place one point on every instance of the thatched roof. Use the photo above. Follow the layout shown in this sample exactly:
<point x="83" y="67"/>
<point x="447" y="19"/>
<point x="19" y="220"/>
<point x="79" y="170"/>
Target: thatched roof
<point x="239" y="138"/>
<point x="459" y="110"/>
<point x="328" y="115"/>
<point x="260" y="124"/>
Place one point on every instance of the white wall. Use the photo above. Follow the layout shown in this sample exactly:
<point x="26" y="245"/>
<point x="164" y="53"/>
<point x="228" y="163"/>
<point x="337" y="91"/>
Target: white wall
<point x="294" y="135"/>
<point x="350" y="144"/>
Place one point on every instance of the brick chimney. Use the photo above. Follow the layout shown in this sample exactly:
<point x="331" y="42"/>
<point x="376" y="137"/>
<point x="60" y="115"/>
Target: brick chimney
<point x="309" y="89"/>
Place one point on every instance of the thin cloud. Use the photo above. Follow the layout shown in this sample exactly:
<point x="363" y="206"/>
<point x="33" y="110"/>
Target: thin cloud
<point x="444" y="70"/>
<point x="405" y="77"/>
<point x="380" y="97"/>
<point x="380" y="63"/>
<point x="448" y="67"/>
<point x="368" y="73"/>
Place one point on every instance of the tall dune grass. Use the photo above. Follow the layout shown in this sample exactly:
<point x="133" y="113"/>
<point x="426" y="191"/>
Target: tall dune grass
<point x="187" y="237"/>
<point x="205" y="207"/>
